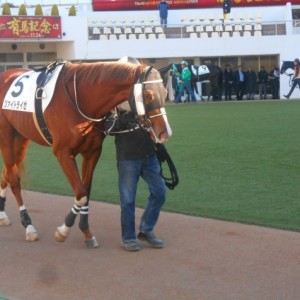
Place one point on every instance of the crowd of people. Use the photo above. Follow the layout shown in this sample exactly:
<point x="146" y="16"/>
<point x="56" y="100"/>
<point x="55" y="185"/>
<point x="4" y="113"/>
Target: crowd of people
<point x="247" y="82"/>
<point x="239" y="84"/>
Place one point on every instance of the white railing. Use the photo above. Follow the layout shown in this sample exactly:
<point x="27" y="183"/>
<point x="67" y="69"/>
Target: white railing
<point x="138" y="29"/>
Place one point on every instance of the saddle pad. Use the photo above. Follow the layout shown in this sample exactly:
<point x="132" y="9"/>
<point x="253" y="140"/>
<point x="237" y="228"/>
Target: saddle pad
<point x="200" y="70"/>
<point x="203" y="69"/>
<point x="21" y="94"/>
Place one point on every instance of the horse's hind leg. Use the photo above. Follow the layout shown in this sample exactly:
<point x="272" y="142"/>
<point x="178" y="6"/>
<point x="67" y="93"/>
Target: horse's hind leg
<point x="4" y="220"/>
<point x="13" y="148"/>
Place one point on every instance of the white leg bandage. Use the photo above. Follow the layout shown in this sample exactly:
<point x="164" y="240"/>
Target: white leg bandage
<point x="3" y="192"/>
<point x="4" y="220"/>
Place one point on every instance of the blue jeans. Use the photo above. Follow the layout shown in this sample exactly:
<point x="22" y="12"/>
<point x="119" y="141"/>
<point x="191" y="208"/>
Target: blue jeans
<point x="129" y="174"/>
<point x="188" y="86"/>
<point x="163" y="22"/>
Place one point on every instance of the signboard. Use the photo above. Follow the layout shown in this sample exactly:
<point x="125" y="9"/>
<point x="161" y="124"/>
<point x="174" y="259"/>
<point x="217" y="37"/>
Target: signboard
<point x="14" y="27"/>
<point x="105" y="5"/>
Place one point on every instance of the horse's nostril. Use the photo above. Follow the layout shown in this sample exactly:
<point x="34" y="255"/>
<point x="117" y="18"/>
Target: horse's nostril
<point x="163" y="136"/>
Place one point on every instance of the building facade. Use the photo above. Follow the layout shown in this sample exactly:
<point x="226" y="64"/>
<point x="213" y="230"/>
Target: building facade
<point x="250" y="35"/>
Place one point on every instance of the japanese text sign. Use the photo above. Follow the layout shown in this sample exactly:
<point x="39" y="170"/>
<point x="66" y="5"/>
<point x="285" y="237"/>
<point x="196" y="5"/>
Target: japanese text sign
<point x="30" y="27"/>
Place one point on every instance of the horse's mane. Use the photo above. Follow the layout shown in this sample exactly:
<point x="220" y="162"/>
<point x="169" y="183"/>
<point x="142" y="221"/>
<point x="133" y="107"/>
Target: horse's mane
<point x="102" y="72"/>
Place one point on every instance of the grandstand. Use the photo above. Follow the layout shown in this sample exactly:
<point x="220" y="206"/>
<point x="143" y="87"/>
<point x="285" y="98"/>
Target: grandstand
<point x="250" y="35"/>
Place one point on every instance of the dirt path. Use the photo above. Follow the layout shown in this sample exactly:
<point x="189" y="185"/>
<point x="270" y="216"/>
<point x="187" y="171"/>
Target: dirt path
<point x="203" y="259"/>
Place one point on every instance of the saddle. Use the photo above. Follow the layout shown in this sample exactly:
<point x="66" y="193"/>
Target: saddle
<point x="46" y="73"/>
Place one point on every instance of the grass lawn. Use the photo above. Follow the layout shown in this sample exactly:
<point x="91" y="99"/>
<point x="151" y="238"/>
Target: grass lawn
<point x="237" y="161"/>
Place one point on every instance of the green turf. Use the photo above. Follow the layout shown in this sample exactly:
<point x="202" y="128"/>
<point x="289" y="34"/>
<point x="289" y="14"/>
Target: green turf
<point x="236" y="161"/>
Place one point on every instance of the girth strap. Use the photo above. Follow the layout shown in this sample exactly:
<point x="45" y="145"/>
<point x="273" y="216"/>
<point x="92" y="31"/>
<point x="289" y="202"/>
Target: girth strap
<point x="38" y="117"/>
<point x="46" y="74"/>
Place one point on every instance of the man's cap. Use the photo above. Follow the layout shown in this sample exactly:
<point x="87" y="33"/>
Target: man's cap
<point x="184" y="62"/>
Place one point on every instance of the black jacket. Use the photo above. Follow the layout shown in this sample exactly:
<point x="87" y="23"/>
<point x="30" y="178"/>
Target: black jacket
<point x="135" y="144"/>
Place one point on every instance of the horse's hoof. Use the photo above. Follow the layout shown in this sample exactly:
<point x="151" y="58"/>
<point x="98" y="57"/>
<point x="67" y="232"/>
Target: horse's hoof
<point x="61" y="233"/>
<point x="4" y="220"/>
<point x="31" y="234"/>
<point x="92" y="243"/>
<point x="59" y="236"/>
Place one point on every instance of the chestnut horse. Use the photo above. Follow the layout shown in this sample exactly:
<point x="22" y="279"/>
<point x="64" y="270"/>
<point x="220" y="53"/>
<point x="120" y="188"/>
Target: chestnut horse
<point x="83" y="95"/>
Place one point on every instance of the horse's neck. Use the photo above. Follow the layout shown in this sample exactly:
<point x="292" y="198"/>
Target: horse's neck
<point x="106" y="98"/>
<point x="114" y="96"/>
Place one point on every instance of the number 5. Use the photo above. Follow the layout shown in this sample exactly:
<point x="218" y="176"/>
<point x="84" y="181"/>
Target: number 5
<point x="19" y="85"/>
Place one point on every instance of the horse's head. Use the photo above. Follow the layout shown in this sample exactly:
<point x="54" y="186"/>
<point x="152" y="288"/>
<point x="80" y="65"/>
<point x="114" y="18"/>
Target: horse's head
<point x="150" y="96"/>
<point x="285" y="66"/>
<point x="149" y="99"/>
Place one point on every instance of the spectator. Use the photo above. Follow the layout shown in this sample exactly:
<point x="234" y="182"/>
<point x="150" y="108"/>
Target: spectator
<point x="262" y="83"/>
<point x="185" y="83"/>
<point x="228" y="82"/>
<point x="163" y="7"/>
<point x="239" y="80"/>
<point x="296" y="80"/>
<point x="175" y="80"/>
<point x="274" y="80"/>
<point x="250" y="76"/>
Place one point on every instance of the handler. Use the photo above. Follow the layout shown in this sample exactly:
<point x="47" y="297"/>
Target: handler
<point x="136" y="158"/>
<point x="185" y="83"/>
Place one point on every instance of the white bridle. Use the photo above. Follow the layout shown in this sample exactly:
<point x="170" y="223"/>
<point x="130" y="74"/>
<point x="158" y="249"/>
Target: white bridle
<point x="138" y="96"/>
<point x="140" y="108"/>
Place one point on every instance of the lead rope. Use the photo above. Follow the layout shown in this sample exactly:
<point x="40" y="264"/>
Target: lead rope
<point x="163" y="156"/>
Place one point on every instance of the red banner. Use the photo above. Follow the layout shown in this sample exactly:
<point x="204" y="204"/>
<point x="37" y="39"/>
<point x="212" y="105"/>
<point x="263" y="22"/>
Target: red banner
<point x="13" y="27"/>
<point x="105" y="5"/>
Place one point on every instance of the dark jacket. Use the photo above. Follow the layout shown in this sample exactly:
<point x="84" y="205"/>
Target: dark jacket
<point x="236" y="76"/>
<point x="228" y="76"/>
<point x="263" y="77"/>
<point x="135" y="144"/>
<point x="250" y="81"/>
<point x="163" y="9"/>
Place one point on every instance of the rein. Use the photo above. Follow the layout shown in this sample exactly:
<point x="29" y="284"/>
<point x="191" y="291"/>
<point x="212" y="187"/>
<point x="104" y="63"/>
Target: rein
<point x="137" y="126"/>
<point x="101" y="119"/>
<point x="77" y="106"/>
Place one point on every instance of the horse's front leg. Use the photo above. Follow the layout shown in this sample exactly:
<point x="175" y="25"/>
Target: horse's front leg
<point x="81" y="191"/>
<point x="89" y="162"/>
<point x="68" y="164"/>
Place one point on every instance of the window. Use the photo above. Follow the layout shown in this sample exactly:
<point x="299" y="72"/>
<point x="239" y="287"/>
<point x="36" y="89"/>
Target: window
<point x="41" y="56"/>
<point x="268" y="61"/>
<point x="250" y="61"/>
<point x="231" y="60"/>
<point x="11" y="57"/>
